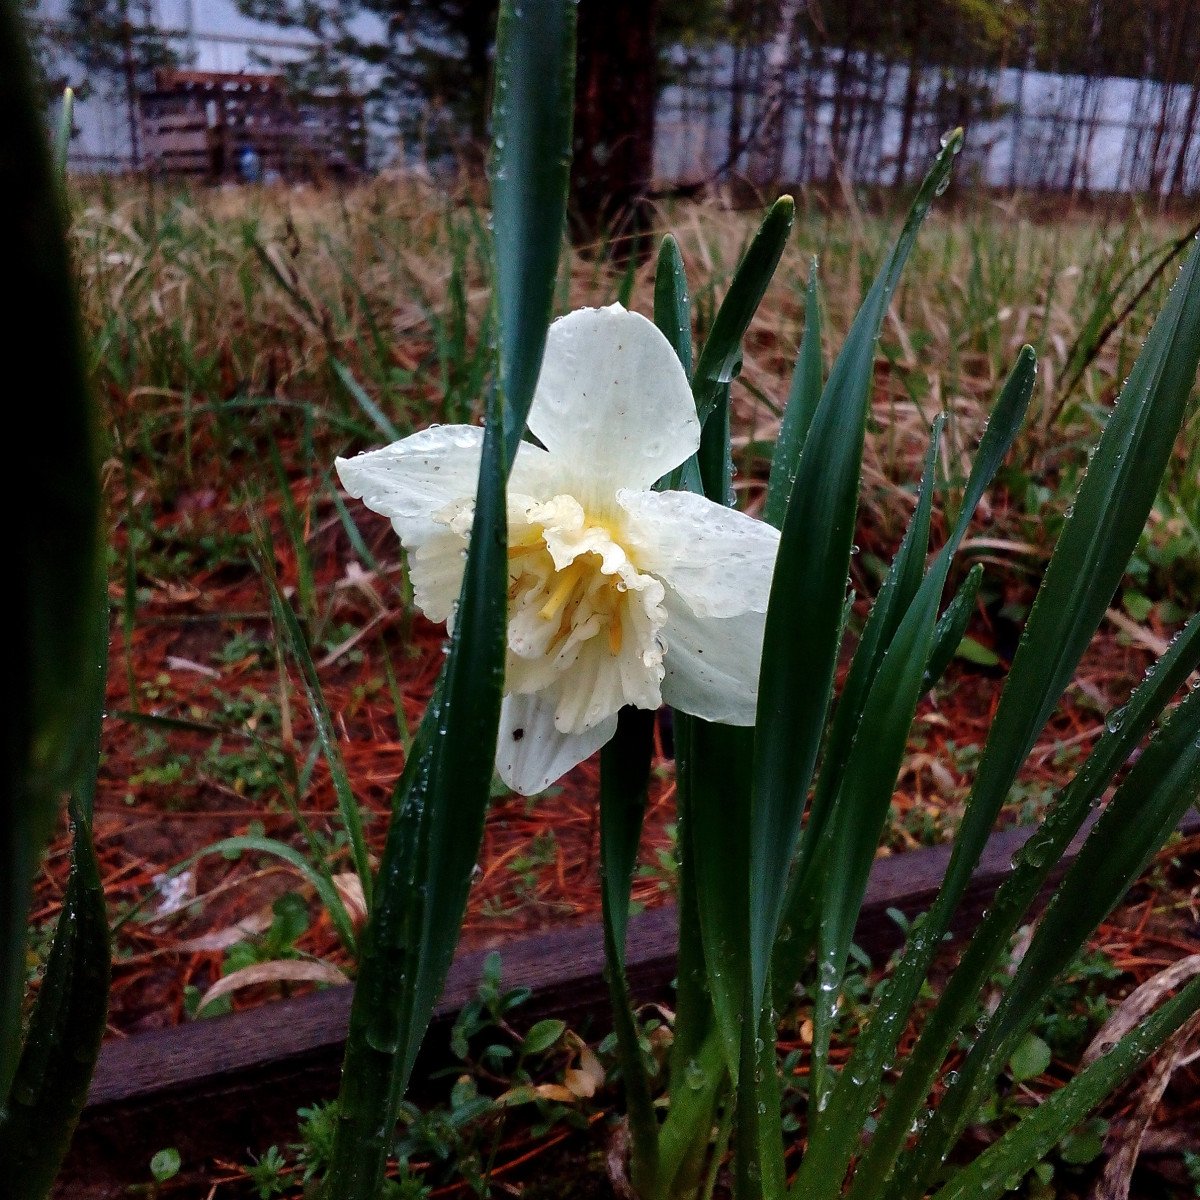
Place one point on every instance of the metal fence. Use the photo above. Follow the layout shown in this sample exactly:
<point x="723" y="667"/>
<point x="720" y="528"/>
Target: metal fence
<point x="874" y="120"/>
<point x="830" y="113"/>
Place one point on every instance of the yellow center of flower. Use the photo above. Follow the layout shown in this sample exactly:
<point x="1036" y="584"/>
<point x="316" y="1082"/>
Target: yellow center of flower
<point x="583" y="620"/>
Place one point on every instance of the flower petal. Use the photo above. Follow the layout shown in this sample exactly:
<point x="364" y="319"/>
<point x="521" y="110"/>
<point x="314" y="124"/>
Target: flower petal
<point x="612" y="401"/>
<point x="414" y="479"/>
<point x="531" y="753"/>
<point x="719" y="560"/>
<point x="712" y="663"/>
<point x="436" y="568"/>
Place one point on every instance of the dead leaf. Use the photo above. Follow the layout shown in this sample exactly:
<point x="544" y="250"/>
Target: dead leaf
<point x="1138" y="1004"/>
<point x="1138" y="633"/>
<point x="1124" y="1142"/>
<point x="350" y="888"/>
<point x="222" y="939"/>
<point x="585" y="1079"/>
<point x="175" y="663"/>
<point x="286" y="970"/>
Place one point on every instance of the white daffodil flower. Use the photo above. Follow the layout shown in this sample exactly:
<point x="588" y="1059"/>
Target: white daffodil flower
<point x="617" y="594"/>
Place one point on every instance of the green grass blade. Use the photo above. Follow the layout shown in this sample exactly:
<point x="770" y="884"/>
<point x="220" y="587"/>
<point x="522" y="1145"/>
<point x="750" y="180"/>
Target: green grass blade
<point x="1030" y="871"/>
<point x="713" y="764"/>
<point x="886" y="657"/>
<point x="672" y="307"/>
<point x="699" y="1082"/>
<point x="994" y="1172"/>
<point x="358" y="394"/>
<point x="1109" y="513"/>
<point x="721" y="358"/>
<point x="532" y="108"/>
<point x="68" y="1017"/>
<point x="321" y="884"/>
<point x="1159" y="789"/>
<point x="293" y="636"/>
<point x="431" y="849"/>
<point x="886" y="716"/>
<point x="803" y="397"/>
<point x="624" y="776"/>
<point x="843" y="850"/>
<point x="289" y="287"/>
<point x="807" y="596"/>
<point x="715" y="458"/>
<point x="760" y="1170"/>
<point x="293" y="524"/>
<point x="65" y="1029"/>
<point x="952" y="626"/>
<point x="903" y="578"/>
<point x="672" y="315"/>
<point x="62" y="141"/>
<point x="437" y="826"/>
<point x="54" y="486"/>
<point x="896" y="594"/>
<point x="353" y="533"/>
<point x="373" y="1074"/>
<point x="698" y="1072"/>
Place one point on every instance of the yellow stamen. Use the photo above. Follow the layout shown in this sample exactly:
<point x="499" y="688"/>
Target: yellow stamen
<point x="614" y="632"/>
<point x="567" y="579"/>
<point x="523" y="548"/>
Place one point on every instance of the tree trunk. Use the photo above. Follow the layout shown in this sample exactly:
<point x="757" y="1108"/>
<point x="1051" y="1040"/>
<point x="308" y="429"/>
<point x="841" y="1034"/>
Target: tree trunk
<point x="912" y="92"/>
<point x="615" y="95"/>
<point x="478" y="26"/>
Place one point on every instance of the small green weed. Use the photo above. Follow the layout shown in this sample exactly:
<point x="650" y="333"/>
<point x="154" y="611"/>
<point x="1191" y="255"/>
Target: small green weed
<point x="496" y="1071"/>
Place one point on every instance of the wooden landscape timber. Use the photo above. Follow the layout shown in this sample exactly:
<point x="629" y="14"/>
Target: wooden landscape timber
<point x="228" y="1086"/>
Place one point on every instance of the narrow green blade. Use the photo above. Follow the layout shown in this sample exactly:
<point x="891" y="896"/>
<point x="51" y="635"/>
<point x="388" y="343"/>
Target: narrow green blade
<point x="721" y="358"/>
<point x="66" y="123"/>
<point x="293" y="636"/>
<point x="714" y="767"/>
<point x="1106" y="520"/>
<point x="807" y="596"/>
<point x="532" y="108"/>
<point x="432" y="845"/>
<point x="358" y="394"/>
<point x="1110" y="510"/>
<point x="321" y="883"/>
<point x="437" y="825"/>
<point x="803" y="397"/>
<point x="865" y="752"/>
<point x="1030" y="871"/>
<point x="624" y="776"/>
<point x="54" y="487"/>
<point x="896" y="594"/>
<point x="1002" y="1165"/>
<point x="672" y="307"/>
<point x="858" y="776"/>
<point x="698" y="1071"/>
<point x="65" y="1029"/>
<point x="761" y="1172"/>
<point x="952" y="626"/>
<point x="714" y="458"/>
<point x="1159" y="789"/>
<point x="68" y="1017"/>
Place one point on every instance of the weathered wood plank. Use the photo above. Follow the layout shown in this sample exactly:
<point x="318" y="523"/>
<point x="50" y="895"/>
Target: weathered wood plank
<point x="222" y="1086"/>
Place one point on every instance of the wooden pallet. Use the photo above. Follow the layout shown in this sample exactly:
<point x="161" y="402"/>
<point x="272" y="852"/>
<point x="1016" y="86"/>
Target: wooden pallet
<point x="200" y="123"/>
